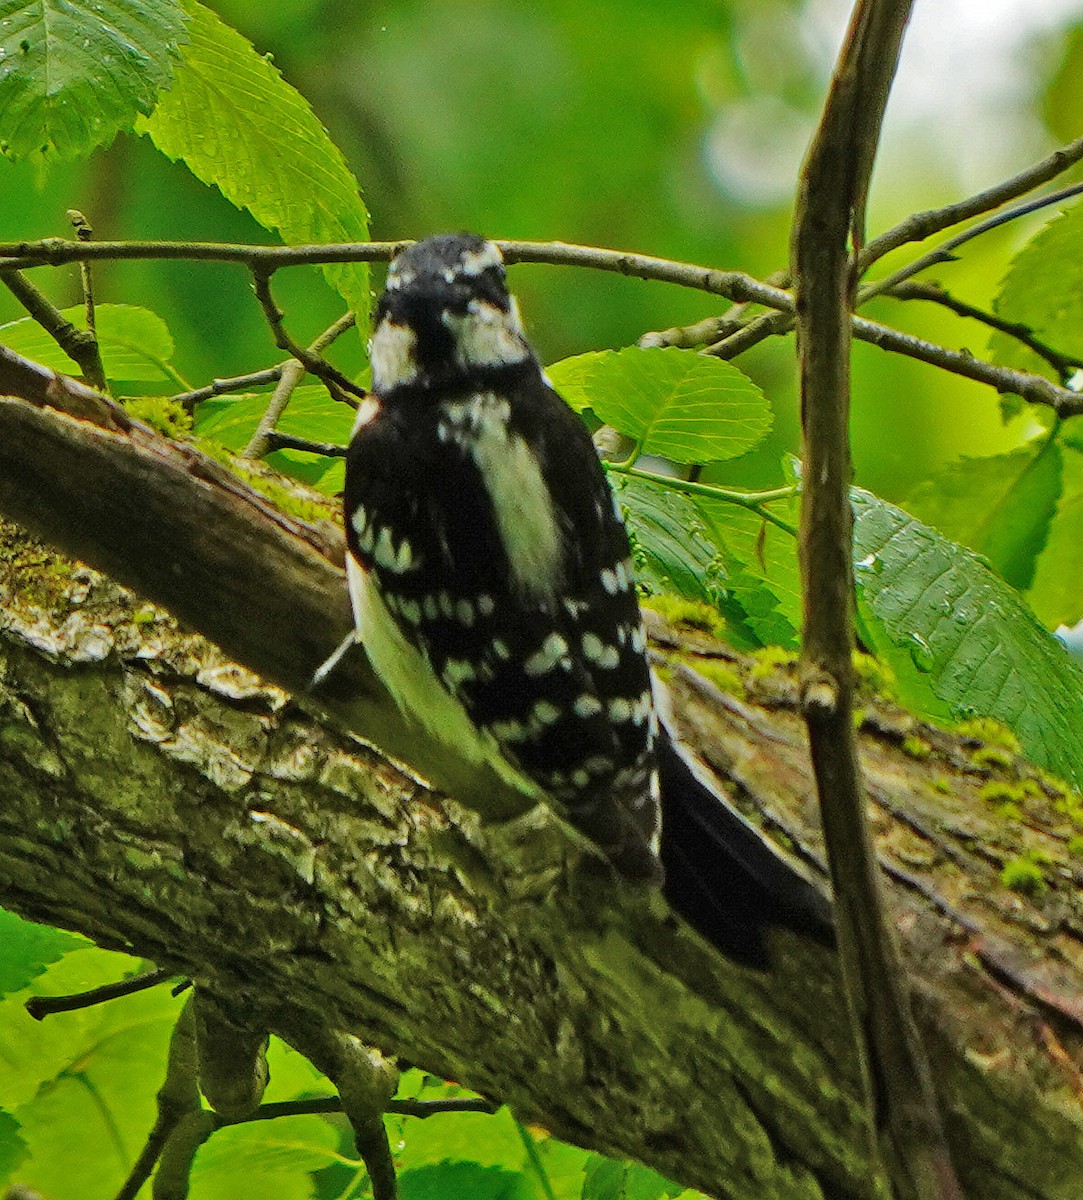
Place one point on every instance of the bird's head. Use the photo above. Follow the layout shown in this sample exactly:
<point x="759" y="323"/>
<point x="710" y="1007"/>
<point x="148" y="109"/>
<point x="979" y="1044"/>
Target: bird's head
<point x="446" y="317"/>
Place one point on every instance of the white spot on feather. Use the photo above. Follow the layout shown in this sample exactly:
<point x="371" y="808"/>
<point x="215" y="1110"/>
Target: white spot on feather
<point x="552" y="653"/>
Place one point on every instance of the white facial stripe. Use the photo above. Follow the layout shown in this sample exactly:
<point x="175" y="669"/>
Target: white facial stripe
<point x="528" y="524"/>
<point x="486" y="336"/>
<point x="393" y="354"/>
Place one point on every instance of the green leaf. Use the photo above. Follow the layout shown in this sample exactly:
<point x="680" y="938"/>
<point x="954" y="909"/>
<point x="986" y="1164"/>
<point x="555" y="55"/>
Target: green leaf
<point x="81" y="1079"/>
<point x="690" y="408"/>
<point x="27" y="949"/>
<point x="447" y="1179"/>
<point x="761" y="568"/>
<point x="488" y="1140"/>
<point x="135" y="343"/>
<point x="698" y="549"/>
<point x="311" y="413"/>
<point x="607" y="1179"/>
<point x="265" y="1158"/>
<point x="74" y="72"/>
<point x="960" y="640"/>
<point x="237" y="124"/>
<point x="1057" y="595"/>
<point x="13" y="1150"/>
<point x="1044" y="291"/>
<point x="1001" y="507"/>
<point x="670" y="549"/>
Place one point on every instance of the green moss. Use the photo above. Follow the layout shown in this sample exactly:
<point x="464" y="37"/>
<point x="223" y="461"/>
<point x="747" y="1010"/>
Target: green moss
<point x="1009" y="811"/>
<point x="857" y="717"/>
<point x="943" y="785"/>
<point x="916" y="747"/>
<point x="1075" y="845"/>
<point x="161" y="413"/>
<point x="263" y="480"/>
<point x="725" y="677"/>
<point x="997" y="791"/>
<point x="1024" y="875"/>
<point x="993" y="733"/>
<point x="694" y="614"/>
<point x="768" y="660"/>
<point x="873" y="675"/>
<point x="989" y="757"/>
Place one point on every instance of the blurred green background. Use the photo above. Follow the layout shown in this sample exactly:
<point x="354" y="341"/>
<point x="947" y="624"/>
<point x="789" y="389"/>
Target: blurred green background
<point x="672" y="129"/>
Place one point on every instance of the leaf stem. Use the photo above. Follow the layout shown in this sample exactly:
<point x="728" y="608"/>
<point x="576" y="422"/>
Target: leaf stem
<point x="753" y="501"/>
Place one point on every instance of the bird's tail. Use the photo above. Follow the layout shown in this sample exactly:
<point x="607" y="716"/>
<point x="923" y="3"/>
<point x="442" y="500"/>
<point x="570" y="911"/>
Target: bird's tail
<point x="722" y="876"/>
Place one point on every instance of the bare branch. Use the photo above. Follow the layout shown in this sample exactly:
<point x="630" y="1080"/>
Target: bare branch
<point x="829" y="213"/>
<point x="80" y="345"/>
<point x="919" y="226"/>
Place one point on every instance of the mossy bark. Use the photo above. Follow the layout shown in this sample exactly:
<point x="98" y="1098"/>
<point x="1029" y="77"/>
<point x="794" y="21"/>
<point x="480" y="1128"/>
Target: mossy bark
<point x="163" y="800"/>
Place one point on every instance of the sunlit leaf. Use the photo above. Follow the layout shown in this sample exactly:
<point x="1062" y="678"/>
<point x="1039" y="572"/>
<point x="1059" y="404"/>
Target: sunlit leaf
<point x="960" y="640"/>
<point x="690" y="408"/>
<point x="1001" y="507"/>
<point x="488" y="1140"/>
<point x="311" y="414"/>
<point x="134" y="342"/>
<point x="238" y="125"/>
<point x="607" y="1179"/>
<point x="81" y="1085"/>
<point x="1043" y="290"/>
<point x="1057" y="592"/>
<point x="265" y="1158"/>
<point x="74" y="72"/>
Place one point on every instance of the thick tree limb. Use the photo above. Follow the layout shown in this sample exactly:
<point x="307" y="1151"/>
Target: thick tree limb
<point x="163" y="800"/>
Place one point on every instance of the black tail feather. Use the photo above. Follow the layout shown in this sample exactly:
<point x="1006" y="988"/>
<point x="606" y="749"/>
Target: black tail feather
<point x="726" y="881"/>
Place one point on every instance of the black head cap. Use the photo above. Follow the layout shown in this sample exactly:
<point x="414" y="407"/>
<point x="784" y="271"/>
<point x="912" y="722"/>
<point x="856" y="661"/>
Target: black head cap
<point x="446" y="272"/>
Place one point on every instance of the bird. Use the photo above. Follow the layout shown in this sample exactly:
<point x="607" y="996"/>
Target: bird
<point x="493" y="590"/>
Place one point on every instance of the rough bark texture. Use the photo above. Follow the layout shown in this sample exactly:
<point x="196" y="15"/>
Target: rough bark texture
<point x="163" y="800"/>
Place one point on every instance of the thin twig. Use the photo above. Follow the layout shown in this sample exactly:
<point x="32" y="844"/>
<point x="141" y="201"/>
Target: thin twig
<point x="221" y="387"/>
<point x="945" y="252"/>
<point x="1065" y="365"/>
<point x="84" y="233"/>
<point x="78" y="344"/>
<point x="292" y="373"/>
<point x="338" y="384"/>
<point x="259" y="443"/>
<point x="1035" y="389"/>
<point x="322" y="1105"/>
<point x="276" y="440"/>
<point x="919" y="226"/>
<point x="753" y="501"/>
<point x="40" y="1007"/>
<point x="735" y="285"/>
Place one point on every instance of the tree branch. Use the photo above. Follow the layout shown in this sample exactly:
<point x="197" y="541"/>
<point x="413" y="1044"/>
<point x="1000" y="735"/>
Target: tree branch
<point x="829" y="215"/>
<point x="230" y="836"/>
